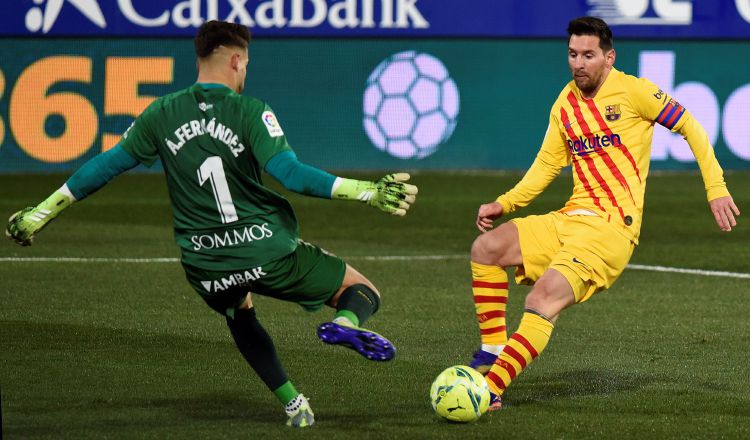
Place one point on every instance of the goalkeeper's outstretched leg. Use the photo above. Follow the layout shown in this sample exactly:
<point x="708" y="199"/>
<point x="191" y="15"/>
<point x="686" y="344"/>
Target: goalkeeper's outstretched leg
<point x="355" y="301"/>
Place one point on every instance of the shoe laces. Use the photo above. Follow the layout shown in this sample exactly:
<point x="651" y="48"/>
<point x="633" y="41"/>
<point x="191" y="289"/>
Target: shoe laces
<point x="296" y="404"/>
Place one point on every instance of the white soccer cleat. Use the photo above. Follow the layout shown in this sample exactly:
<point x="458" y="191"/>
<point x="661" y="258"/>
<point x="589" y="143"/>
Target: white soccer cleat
<point x="299" y="412"/>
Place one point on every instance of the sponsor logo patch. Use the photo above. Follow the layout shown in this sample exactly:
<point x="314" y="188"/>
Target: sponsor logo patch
<point x="231" y="237"/>
<point x="239" y="279"/>
<point x="272" y="125"/>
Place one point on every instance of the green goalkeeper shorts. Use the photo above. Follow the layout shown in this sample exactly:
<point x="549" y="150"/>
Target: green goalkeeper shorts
<point x="309" y="276"/>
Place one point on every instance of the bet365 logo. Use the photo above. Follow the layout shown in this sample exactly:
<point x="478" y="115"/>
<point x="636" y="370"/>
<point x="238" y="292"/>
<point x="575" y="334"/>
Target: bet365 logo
<point x="43" y="16"/>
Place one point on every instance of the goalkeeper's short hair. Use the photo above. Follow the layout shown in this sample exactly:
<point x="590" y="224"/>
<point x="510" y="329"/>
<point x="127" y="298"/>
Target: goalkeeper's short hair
<point x="213" y="34"/>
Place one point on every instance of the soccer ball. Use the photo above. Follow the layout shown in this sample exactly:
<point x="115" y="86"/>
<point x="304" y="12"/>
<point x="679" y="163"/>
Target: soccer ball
<point x="460" y="394"/>
<point x="410" y="105"/>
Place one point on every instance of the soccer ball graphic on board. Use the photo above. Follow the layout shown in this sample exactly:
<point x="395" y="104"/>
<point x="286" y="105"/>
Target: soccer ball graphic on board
<point x="410" y="105"/>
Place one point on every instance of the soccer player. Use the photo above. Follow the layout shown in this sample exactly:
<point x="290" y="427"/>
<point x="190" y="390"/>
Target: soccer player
<point x="602" y="124"/>
<point x="236" y="235"/>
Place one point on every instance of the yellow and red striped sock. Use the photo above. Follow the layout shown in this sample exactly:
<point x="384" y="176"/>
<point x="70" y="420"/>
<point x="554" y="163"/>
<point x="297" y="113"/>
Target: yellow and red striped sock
<point x="522" y="348"/>
<point x="490" y="287"/>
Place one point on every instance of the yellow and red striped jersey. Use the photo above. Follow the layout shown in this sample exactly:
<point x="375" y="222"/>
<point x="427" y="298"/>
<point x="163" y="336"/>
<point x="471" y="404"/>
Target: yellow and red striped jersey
<point x="607" y="140"/>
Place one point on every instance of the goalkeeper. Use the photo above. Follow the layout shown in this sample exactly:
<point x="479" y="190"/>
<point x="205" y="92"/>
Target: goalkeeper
<point x="237" y="236"/>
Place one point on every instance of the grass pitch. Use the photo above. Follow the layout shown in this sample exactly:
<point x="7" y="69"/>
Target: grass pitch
<point x="125" y="350"/>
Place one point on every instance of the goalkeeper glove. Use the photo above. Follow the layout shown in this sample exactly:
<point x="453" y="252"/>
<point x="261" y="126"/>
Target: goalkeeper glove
<point x="26" y="223"/>
<point x="390" y="194"/>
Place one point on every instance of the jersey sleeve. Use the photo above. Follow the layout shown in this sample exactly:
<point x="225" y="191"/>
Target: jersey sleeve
<point x="98" y="171"/>
<point x="697" y="139"/>
<point x="139" y="140"/>
<point x="656" y="105"/>
<point x="550" y="160"/>
<point x="267" y="138"/>
<point x="299" y="177"/>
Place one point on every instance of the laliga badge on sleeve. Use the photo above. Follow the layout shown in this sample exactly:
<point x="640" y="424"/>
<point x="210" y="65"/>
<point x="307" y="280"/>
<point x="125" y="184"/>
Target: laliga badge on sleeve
<point x="272" y="125"/>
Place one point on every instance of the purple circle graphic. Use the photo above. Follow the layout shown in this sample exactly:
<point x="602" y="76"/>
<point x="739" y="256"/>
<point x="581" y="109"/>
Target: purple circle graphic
<point x="410" y="105"/>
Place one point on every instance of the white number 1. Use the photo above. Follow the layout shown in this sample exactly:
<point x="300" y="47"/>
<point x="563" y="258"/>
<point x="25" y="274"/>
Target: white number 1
<point x="213" y="169"/>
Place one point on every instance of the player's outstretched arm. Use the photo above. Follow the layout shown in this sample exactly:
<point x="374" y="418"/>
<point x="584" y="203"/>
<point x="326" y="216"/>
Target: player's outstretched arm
<point x="390" y="194"/>
<point x="94" y="174"/>
<point x="724" y="211"/>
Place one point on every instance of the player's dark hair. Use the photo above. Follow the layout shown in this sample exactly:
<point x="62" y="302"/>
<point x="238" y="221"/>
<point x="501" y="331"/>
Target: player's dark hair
<point x="213" y="34"/>
<point x="592" y="26"/>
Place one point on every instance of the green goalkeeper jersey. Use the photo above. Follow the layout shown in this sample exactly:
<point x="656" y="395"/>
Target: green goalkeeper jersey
<point x="213" y="144"/>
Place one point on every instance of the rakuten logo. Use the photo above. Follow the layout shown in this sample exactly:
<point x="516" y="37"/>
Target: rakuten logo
<point x="266" y="14"/>
<point x="701" y="101"/>
<point x="585" y="145"/>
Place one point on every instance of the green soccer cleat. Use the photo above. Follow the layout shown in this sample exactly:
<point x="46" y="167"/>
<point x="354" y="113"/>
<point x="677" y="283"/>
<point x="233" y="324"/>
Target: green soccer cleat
<point x="24" y="224"/>
<point x="299" y="412"/>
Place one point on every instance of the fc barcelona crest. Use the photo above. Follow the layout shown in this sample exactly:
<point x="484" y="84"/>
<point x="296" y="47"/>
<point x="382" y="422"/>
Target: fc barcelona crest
<point x="612" y="112"/>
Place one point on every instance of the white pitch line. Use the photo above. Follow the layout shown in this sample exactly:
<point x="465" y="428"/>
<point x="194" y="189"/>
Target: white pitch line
<point x="700" y="272"/>
<point x="708" y="273"/>
<point x="407" y="257"/>
<point x="85" y="260"/>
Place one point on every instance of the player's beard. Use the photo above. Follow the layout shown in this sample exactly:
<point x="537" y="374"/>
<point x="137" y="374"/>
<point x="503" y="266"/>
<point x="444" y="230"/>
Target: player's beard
<point x="586" y="84"/>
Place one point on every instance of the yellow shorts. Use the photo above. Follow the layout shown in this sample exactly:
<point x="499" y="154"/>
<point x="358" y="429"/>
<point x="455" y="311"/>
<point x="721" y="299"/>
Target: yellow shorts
<point x="588" y="251"/>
